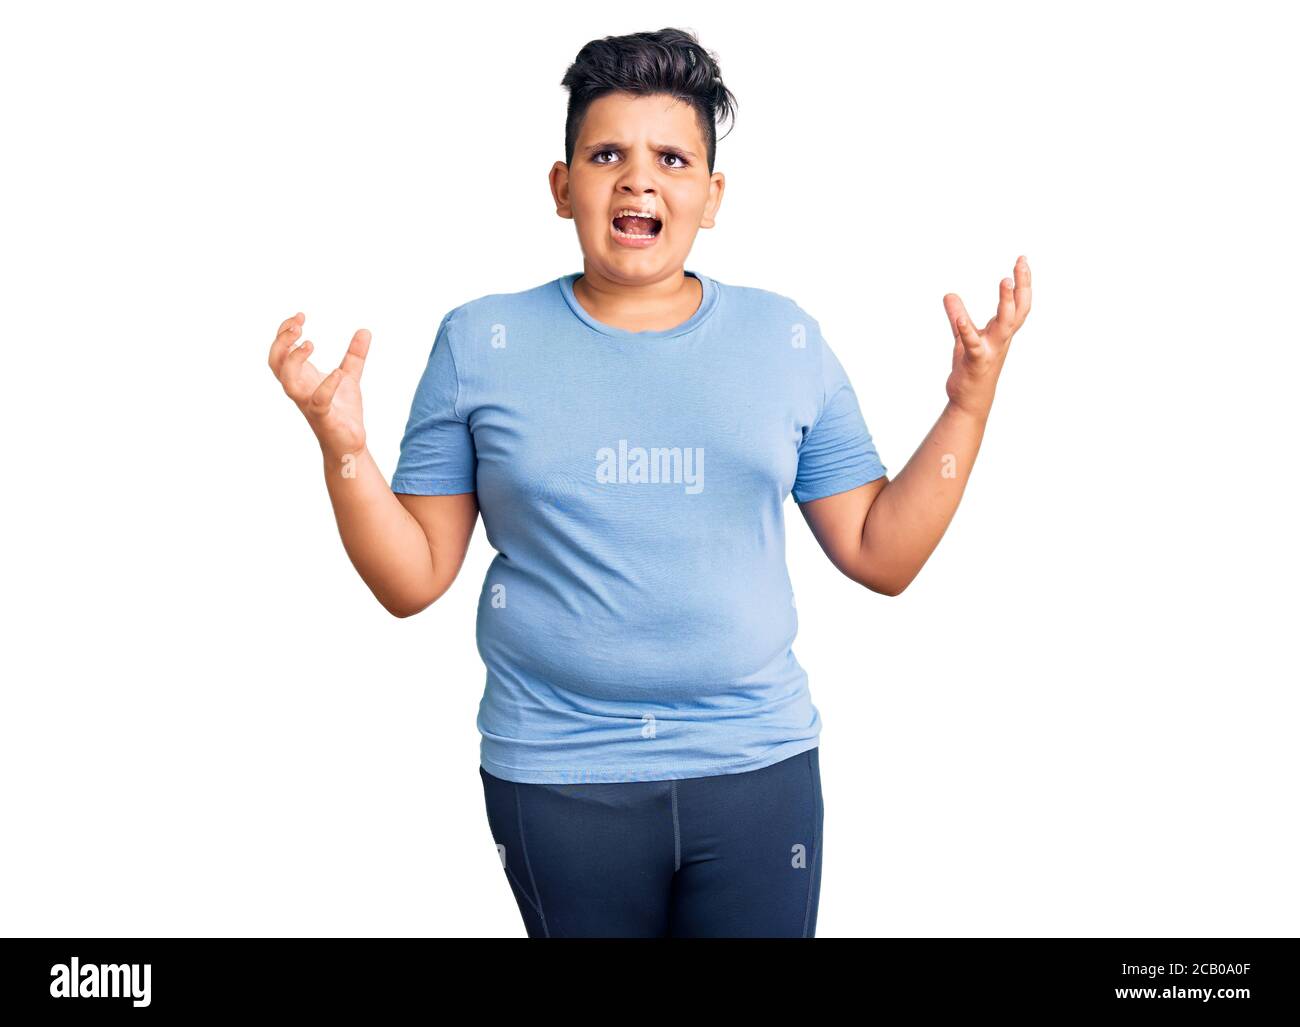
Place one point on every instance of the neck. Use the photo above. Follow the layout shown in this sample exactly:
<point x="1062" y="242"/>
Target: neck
<point x="639" y="306"/>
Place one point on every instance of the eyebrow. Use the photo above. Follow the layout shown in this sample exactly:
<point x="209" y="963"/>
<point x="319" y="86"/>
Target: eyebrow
<point x="614" y="145"/>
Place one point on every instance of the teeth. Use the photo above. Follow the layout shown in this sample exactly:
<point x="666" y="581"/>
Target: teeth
<point x="632" y="235"/>
<point x="634" y="213"/>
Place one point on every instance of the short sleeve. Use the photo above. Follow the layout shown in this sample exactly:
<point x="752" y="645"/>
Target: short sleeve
<point x="437" y="457"/>
<point x="837" y="453"/>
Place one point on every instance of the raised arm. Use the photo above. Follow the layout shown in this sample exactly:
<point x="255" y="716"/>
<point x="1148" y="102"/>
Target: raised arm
<point x="408" y="550"/>
<point x="881" y="534"/>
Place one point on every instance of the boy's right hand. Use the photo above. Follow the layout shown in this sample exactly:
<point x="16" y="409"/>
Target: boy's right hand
<point x="331" y="403"/>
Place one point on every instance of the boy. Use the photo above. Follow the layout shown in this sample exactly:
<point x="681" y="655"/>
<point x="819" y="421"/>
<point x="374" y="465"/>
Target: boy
<point x="630" y="433"/>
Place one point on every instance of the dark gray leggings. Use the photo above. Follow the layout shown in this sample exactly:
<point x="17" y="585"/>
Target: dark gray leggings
<point x="729" y="856"/>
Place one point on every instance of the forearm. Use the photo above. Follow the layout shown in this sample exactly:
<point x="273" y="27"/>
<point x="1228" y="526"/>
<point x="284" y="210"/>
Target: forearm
<point x="385" y="543"/>
<point x="910" y="515"/>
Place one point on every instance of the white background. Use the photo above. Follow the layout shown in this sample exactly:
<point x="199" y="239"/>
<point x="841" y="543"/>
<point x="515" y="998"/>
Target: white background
<point x="1079" y="720"/>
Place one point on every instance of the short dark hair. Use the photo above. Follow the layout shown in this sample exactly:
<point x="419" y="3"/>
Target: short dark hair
<point x="669" y="61"/>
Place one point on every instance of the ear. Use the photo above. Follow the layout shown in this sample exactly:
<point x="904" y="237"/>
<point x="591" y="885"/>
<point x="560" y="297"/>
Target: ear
<point x="717" y="185"/>
<point x="559" y="179"/>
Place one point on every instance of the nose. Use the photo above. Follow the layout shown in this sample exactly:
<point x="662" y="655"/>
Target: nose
<point x="636" y="178"/>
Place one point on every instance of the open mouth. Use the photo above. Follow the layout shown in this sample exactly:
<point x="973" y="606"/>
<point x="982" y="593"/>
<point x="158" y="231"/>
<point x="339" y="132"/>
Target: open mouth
<point x="637" y="224"/>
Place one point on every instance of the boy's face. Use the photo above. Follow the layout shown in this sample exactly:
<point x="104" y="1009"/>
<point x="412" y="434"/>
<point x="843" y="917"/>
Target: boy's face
<point x="640" y="153"/>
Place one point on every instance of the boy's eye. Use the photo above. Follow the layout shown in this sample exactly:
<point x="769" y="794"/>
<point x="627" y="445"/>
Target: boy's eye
<point x="677" y="157"/>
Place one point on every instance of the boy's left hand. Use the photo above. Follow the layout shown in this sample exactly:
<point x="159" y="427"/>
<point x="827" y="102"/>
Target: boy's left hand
<point x="977" y="356"/>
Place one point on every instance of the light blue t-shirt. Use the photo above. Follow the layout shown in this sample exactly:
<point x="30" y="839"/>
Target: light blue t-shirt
<point x="637" y="620"/>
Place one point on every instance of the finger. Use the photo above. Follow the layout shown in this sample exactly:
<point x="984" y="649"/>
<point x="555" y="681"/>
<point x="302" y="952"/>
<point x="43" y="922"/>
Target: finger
<point x="1022" y="290"/>
<point x="324" y="395"/>
<point x="354" y="360"/>
<point x="290" y="328"/>
<point x="970" y="338"/>
<point x="952" y="307"/>
<point x="291" y="368"/>
<point x="1005" y="322"/>
<point x="956" y="314"/>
